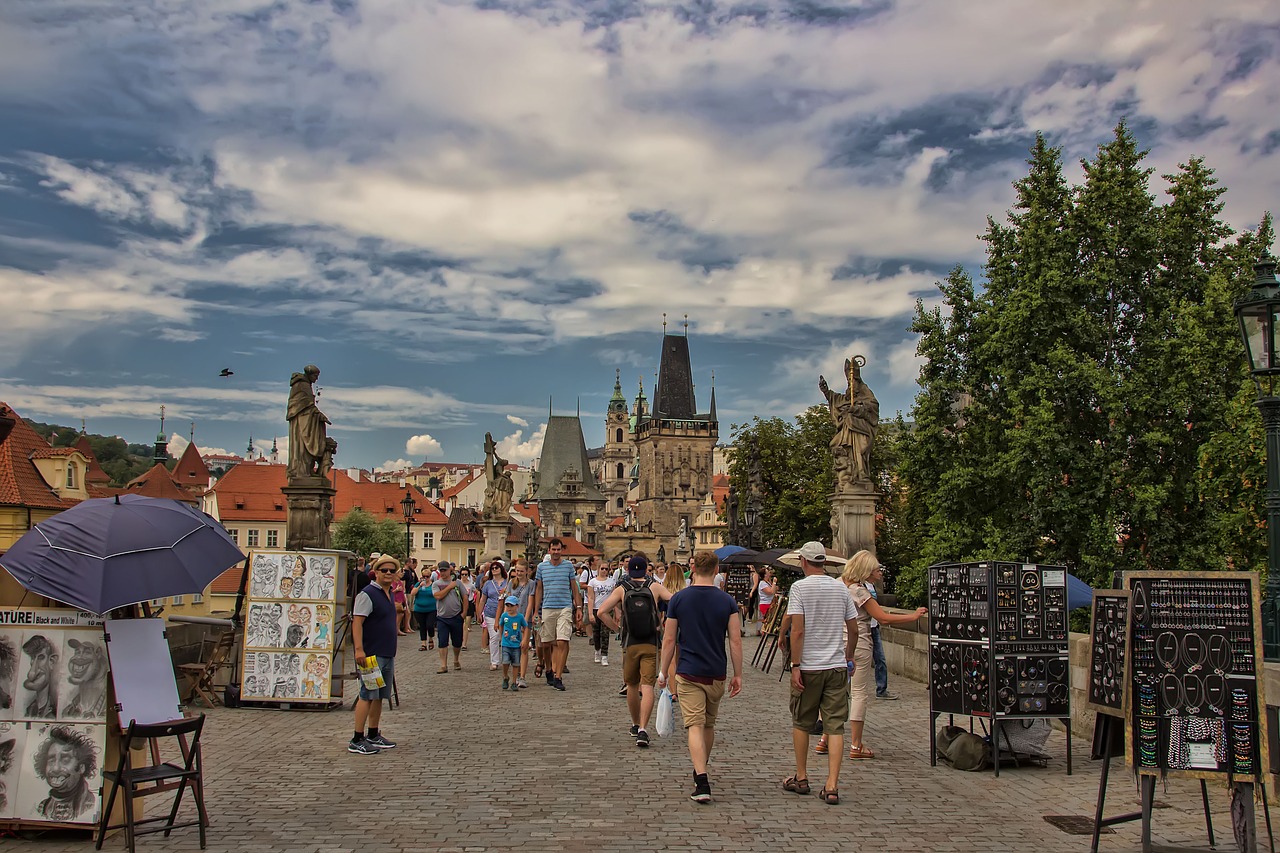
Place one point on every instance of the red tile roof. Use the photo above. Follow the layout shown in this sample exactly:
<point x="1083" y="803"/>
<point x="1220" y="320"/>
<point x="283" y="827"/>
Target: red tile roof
<point x="51" y="452"/>
<point x="227" y="583"/>
<point x="720" y="490"/>
<point x="20" y="480"/>
<point x="157" y="483"/>
<point x="95" y="475"/>
<point x="458" y="486"/>
<point x="463" y="526"/>
<point x="251" y="492"/>
<point x="191" y="472"/>
<point x="573" y="548"/>
<point x="528" y="510"/>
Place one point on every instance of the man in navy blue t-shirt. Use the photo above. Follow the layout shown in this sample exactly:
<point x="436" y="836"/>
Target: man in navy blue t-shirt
<point x="698" y="618"/>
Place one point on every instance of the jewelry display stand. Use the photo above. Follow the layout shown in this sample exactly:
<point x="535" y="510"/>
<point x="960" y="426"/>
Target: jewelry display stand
<point x="1195" y="699"/>
<point x="998" y="646"/>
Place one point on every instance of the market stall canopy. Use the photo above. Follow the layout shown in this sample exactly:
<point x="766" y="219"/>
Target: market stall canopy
<point x="1079" y="593"/>
<point x="726" y="551"/>
<point x="111" y="552"/>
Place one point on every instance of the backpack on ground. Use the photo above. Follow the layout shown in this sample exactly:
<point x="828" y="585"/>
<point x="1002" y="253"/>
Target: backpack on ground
<point x="639" y="612"/>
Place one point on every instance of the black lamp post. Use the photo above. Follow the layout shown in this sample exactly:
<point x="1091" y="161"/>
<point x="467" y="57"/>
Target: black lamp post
<point x="751" y="515"/>
<point x="1259" y="314"/>
<point x="408" y="505"/>
<point x="731" y="515"/>
<point x="532" y="552"/>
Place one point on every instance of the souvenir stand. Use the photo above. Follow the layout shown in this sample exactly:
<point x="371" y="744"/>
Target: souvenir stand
<point x="1196" y="704"/>
<point x="294" y="603"/>
<point x="61" y="653"/>
<point x="998" y="647"/>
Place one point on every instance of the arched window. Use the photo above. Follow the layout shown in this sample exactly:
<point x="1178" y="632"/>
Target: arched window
<point x="71" y="475"/>
<point x="619" y="438"/>
<point x="622" y="471"/>
<point x="620" y="503"/>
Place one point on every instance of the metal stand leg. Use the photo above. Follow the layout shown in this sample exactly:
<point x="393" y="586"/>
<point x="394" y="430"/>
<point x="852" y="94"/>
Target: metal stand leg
<point x="1102" y="787"/>
<point x="1067" y="722"/>
<point x="1148" y="799"/>
<point x="1208" y="818"/>
<point x="1242" y="817"/>
<point x="995" y="743"/>
<point x="933" y="739"/>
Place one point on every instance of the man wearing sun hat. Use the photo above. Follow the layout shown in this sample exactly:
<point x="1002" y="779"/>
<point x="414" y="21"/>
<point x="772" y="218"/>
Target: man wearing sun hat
<point x="373" y="630"/>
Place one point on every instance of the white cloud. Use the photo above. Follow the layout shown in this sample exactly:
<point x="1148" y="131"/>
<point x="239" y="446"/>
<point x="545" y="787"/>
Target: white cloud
<point x="181" y="336"/>
<point x="422" y="446"/>
<point x="904" y="364"/>
<point x="396" y="465"/>
<point x="517" y="421"/>
<point x="178" y="444"/>
<point x="518" y="450"/>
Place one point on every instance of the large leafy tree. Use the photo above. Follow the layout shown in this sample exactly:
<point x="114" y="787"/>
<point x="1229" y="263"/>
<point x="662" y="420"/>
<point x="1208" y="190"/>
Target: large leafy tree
<point x="361" y="533"/>
<point x="1087" y="405"/>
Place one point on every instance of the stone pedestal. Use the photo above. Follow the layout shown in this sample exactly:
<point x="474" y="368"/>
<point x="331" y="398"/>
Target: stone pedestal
<point x="853" y="520"/>
<point x="495" y="537"/>
<point x="310" y="512"/>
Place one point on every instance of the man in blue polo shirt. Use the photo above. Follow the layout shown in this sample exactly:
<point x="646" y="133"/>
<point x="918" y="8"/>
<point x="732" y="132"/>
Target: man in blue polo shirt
<point x="558" y="601"/>
<point x="373" y="629"/>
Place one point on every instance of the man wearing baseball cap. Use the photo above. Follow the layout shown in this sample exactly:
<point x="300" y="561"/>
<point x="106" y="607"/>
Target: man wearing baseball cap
<point x="638" y="595"/>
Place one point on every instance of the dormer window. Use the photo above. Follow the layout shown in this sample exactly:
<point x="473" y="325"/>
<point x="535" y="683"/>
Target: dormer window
<point x="71" y="475"/>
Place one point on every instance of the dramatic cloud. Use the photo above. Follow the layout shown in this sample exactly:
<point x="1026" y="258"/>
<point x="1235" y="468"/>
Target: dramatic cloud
<point x="395" y="465"/>
<point x="422" y="446"/>
<point x="520" y="451"/>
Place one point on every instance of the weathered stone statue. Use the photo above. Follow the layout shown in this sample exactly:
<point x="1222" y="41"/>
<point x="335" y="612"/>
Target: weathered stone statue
<point x="310" y="449"/>
<point x="500" y="489"/>
<point x="683" y="536"/>
<point x="856" y="414"/>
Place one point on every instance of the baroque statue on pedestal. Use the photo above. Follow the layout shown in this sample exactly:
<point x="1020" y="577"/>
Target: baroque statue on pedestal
<point x="856" y="414"/>
<point x="310" y="449"/>
<point x="500" y="488"/>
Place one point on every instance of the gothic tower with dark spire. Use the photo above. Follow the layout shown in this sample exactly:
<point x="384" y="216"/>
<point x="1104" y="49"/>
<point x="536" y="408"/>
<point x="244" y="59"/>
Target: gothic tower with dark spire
<point x="675" y="444"/>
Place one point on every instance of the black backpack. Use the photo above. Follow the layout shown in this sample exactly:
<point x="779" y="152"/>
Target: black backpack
<point x="639" y="612"/>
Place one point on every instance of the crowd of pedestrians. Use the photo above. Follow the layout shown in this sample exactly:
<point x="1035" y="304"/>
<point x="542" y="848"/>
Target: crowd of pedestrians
<point x="676" y="629"/>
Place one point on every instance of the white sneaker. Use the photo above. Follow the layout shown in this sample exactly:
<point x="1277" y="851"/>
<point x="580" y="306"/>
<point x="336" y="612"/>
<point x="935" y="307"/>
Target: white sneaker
<point x="604" y="660"/>
<point x="596" y="657"/>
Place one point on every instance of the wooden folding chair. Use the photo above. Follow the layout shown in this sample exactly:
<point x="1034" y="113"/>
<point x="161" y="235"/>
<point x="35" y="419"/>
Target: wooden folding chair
<point x="134" y="781"/>
<point x="200" y="676"/>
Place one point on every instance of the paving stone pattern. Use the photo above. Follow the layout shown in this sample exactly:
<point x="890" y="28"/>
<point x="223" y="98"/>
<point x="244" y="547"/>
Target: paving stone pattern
<point x="539" y="770"/>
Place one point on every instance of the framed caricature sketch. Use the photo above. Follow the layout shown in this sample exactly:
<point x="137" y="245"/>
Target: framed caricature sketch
<point x="292" y="608"/>
<point x="53" y="706"/>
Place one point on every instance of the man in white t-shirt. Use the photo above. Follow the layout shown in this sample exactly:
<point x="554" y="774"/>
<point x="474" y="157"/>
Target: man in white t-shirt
<point x="820" y="611"/>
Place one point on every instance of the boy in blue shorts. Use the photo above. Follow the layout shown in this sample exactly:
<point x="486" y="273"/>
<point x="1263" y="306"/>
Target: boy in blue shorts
<point x="511" y="626"/>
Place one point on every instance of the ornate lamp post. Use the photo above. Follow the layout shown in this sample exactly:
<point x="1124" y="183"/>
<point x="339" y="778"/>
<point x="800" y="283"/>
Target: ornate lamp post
<point x="408" y="505"/>
<point x="750" y="516"/>
<point x="532" y="552"/>
<point x="1259" y="314"/>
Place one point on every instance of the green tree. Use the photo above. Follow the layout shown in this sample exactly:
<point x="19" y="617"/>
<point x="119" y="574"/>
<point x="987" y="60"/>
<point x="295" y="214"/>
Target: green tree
<point x="360" y="533"/>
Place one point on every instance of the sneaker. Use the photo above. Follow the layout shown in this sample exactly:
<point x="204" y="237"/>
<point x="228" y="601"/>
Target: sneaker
<point x="520" y="683"/>
<point x="361" y="746"/>
<point x="633" y="731"/>
<point x="558" y="684"/>
<point x="701" y="791"/>
<point x="623" y="691"/>
<point x="888" y="694"/>
<point x="642" y="739"/>
<point x="506" y="682"/>
<point x="596" y="657"/>
<point x="604" y="660"/>
<point x="379" y="742"/>
<point x="514" y="687"/>
<point x="551" y="679"/>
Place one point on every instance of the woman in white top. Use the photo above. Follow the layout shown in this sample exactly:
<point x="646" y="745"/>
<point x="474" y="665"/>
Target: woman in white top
<point x="598" y="589"/>
<point x="862" y="567"/>
<point x="768" y="587"/>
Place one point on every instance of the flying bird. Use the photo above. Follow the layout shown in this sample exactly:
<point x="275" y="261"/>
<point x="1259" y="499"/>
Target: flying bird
<point x="226" y="371"/>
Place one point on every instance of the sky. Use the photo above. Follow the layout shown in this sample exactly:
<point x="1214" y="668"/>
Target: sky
<point x="469" y="214"/>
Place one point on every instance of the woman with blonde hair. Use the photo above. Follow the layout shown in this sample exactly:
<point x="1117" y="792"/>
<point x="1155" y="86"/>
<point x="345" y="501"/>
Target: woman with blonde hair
<point x="861" y="568"/>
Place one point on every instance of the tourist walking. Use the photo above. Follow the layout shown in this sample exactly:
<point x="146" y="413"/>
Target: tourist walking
<point x="489" y="603"/>
<point x="510" y="627"/>
<point x="598" y="589"/>
<point x="559" y="602"/>
<point x="822" y="656"/>
<point x="450" y="607"/>
<point x="638" y="597"/>
<point x="519" y="585"/>
<point x="424" y="610"/>
<point x="698" y="619"/>
<point x="768" y="588"/>
<point x="373" y="632"/>
<point x="860" y="568"/>
<point x="469" y="603"/>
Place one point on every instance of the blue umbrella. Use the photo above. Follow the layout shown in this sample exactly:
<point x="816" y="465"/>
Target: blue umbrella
<point x="111" y="552"/>
<point x="1079" y="593"/>
<point x="725" y="550"/>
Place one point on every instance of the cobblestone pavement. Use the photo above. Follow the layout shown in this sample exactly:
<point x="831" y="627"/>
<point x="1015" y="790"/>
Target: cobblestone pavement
<point x="539" y="770"/>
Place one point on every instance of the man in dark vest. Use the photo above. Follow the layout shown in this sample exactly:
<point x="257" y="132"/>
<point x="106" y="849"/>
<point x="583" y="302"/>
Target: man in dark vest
<point x="373" y="629"/>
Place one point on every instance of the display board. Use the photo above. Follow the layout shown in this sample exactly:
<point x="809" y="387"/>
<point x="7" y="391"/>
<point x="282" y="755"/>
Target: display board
<point x="53" y="708"/>
<point x="1106" y="692"/>
<point x="142" y="672"/>
<point x="998" y="640"/>
<point x="293" y="604"/>
<point x="1195" y="651"/>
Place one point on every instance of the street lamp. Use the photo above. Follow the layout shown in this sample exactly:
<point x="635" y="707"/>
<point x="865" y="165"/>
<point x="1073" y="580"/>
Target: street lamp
<point x="532" y="552"/>
<point x="408" y="505"/>
<point x="750" y="516"/>
<point x="1259" y="314"/>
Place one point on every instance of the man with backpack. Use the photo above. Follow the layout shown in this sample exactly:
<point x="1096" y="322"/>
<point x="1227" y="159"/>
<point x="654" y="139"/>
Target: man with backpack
<point x="638" y="595"/>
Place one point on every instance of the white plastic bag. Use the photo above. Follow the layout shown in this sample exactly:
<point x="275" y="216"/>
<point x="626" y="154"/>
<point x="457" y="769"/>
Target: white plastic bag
<point x="665" y="722"/>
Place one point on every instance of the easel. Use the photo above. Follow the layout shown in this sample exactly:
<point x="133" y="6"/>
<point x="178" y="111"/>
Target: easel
<point x="767" y="648"/>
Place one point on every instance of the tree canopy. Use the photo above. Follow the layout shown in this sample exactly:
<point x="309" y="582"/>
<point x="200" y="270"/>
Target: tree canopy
<point x="360" y="533"/>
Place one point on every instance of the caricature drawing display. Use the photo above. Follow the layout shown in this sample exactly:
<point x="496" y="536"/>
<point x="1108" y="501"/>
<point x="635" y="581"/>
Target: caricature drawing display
<point x="54" y="682"/>
<point x="289" y="624"/>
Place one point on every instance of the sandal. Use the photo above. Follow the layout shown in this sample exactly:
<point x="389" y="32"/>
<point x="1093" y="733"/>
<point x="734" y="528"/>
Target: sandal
<point x="857" y="752"/>
<point x="422" y="647"/>
<point x="537" y="671"/>
<point x="457" y="666"/>
<point x="442" y="671"/>
<point x="796" y="786"/>
<point x="431" y="644"/>
<point x="831" y="798"/>
<point x="821" y="747"/>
